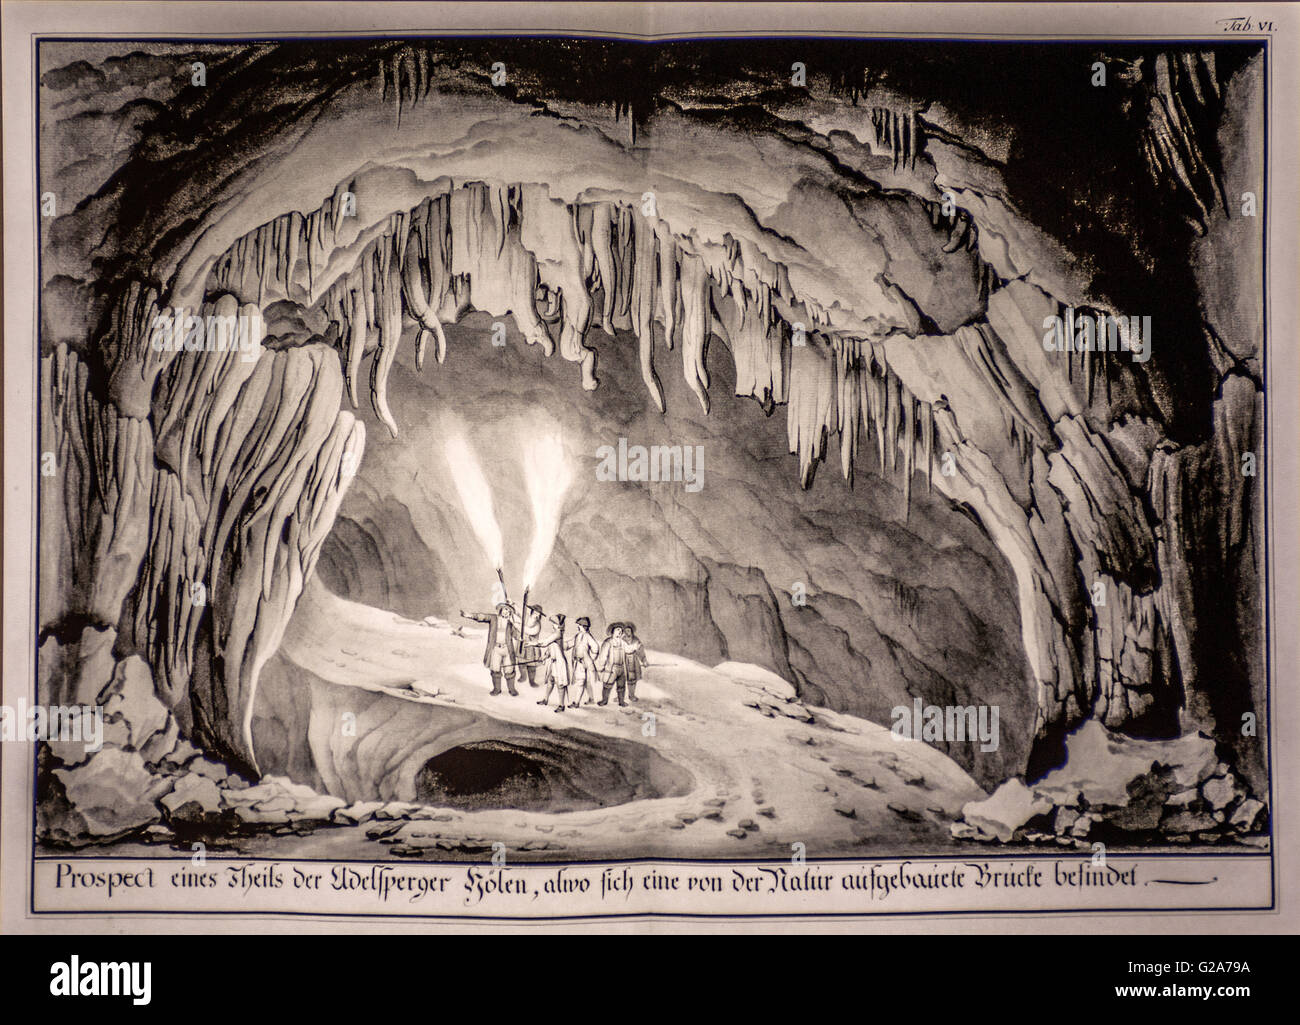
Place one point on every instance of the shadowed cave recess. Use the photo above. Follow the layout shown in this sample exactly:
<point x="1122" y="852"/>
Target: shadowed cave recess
<point x="837" y="290"/>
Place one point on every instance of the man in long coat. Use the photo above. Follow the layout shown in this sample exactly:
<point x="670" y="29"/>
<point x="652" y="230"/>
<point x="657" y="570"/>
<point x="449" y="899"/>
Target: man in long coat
<point x="502" y="644"/>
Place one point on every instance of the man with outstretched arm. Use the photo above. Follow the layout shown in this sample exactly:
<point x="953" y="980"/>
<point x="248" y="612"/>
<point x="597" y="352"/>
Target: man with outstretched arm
<point x="499" y="656"/>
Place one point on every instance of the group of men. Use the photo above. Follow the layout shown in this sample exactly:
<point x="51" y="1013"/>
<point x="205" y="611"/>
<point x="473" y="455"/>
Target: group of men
<point x="534" y="644"/>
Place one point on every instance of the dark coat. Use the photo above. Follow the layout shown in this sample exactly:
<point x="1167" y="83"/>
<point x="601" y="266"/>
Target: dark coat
<point x="492" y="620"/>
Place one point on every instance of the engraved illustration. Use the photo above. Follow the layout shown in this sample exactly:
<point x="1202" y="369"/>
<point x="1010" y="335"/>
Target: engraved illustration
<point x="566" y="449"/>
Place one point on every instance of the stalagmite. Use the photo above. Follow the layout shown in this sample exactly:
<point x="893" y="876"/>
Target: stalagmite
<point x="292" y="241"/>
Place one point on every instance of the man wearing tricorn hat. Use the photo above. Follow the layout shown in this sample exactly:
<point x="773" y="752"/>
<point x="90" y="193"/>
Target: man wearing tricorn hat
<point x="502" y="644"/>
<point x="612" y="664"/>
<point x="582" y="651"/>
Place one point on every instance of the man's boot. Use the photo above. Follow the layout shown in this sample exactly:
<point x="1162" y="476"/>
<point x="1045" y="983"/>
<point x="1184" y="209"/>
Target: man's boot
<point x="604" y="694"/>
<point x="621" y="702"/>
<point x="510" y="682"/>
<point x="496" y="683"/>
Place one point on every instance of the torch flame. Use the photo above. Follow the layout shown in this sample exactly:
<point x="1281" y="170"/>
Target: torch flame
<point x="475" y="496"/>
<point x="548" y="476"/>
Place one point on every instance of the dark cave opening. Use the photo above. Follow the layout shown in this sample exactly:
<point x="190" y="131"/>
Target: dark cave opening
<point x="575" y="772"/>
<point x="486" y="774"/>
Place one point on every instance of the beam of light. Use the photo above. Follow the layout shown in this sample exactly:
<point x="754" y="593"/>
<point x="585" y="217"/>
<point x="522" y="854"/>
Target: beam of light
<point x="475" y="496"/>
<point x="548" y="476"/>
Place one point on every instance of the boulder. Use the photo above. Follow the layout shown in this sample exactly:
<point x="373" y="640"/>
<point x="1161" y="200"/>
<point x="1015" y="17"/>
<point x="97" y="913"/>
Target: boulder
<point x="1101" y="766"/>
<point x="397" y="810"/>
<point x="108" y="797"/>
<point x="1065" y="820"/>
<point x="205" y="767"/>
<point x="1247" y="815"/>
<point x="1220" y="791"/>
<point x="183" y="753"/>
<point x="162" y="743"/>
<point x="1011" y="806"/>
<point x="318" y="808"/>
<point x="195" y="801"/>
<point x="129" y="698"/>
<point x="355" y="814"/>
<point x="1188" y="822"/>
<point x="965" y="831"/>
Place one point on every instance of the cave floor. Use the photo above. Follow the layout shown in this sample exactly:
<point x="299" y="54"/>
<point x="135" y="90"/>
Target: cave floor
<point x="755" y="769"/>
<point x="725" y="761"/>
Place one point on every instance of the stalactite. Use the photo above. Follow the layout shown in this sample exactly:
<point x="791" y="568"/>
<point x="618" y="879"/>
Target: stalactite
<point x="624" y="247"/>
<point x="907" y="406"/>
<point x="668" y="298"/>
<point x="602" y="246"/>
<point x="927" y="444"/>
<point x="417" y="303"/>
<point x="848" y="404"/>
<point x="893" y="404"/>
<point x="356" y="342"/>
<point x="812" y="410"/>
<point x="899" y="133"/>
<point x="388" y="302"/>
<point x="695" y="323"/>
<point x="643" y="305"/>
<point x="1170" y="141"/>
<point x="506" y="250"/>
<point x="877" y="400"/>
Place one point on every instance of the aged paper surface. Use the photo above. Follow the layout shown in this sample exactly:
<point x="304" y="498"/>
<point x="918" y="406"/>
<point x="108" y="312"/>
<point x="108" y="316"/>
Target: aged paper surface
<point x="649" y="466"/>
